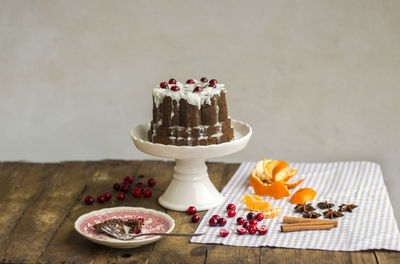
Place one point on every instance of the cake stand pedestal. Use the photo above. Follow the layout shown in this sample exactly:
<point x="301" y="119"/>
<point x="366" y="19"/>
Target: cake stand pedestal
<point x="190" y="185"/>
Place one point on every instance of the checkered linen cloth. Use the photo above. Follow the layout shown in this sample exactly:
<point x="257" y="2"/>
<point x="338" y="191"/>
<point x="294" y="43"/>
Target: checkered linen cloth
<point x="371" y="225"/>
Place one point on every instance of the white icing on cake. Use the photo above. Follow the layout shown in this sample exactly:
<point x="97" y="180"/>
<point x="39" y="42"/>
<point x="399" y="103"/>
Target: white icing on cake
<point x="186" y="92"/>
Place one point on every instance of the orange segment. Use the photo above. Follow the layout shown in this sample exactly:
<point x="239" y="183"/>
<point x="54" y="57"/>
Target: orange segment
<point x="255" y="203"/>
<point x="303" y="195"/>
<point x="272" y="212"/>
<point x="294" y="184"/>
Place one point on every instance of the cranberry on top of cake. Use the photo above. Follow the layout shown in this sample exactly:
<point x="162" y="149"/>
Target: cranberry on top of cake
<point x="195" y="92"/>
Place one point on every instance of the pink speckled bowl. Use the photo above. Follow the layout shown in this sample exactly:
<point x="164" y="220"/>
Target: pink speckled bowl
<point x="154" y="221"/>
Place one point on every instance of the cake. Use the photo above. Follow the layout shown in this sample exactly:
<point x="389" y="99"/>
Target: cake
<point x="190" y="114"/>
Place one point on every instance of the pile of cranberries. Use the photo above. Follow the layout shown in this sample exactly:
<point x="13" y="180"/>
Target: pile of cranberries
<point x="197" y="89"/>
<point x="122" y="189"/>
<point x="250" y="225"/>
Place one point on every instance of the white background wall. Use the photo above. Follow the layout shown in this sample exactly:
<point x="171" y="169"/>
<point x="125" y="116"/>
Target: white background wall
<point x="317" y="80"/>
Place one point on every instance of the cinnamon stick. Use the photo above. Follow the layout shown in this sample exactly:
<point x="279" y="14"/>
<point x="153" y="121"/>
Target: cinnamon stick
<point x="292" y="220"/>
<point x="311" y="226"/>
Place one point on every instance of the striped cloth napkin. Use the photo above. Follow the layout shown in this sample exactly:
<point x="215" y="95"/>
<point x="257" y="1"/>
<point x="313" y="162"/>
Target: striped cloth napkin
<point x="371" y="225"/>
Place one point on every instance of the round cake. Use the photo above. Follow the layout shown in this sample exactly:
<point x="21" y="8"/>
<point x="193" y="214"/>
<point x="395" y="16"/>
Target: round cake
<point x="190" y="114"/>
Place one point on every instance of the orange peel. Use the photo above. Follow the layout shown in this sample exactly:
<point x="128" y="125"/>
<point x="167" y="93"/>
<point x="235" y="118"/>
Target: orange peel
<point x="303" y="195"/>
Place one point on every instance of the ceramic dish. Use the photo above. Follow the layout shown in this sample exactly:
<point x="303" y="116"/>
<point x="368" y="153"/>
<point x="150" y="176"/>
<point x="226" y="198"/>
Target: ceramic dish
<point x="154" y="221"/>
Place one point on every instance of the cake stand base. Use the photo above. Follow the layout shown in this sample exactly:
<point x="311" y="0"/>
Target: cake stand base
<point x="190" y="186"/>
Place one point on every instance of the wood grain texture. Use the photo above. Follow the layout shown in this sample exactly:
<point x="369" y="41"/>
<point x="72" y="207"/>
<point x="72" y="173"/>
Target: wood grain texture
<point x="42" y="201"/>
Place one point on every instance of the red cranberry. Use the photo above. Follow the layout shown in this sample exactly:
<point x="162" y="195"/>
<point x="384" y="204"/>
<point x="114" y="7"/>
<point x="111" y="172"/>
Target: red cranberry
<point x="197" y="89"/>
<point x="223" y="232"/>
<point x="204" y="80"/>
<point x="195" y="218"/>
<point x="250" y="216"/>
<point x="231" y="213"/>
<point x="190" y="81"/>
<point x="246" y="224"/>
<point x="172" y="81"/>
<point x="128" y="179"/>
<point x="151" y="182"/>
<point x="252" y="229"/>
<point x="147" y="193"/>
<point x="101" y="198"/>
<point x="121" y="196"/>
<point x="213" y="221"/>
<point x="216" y="217"/>
<point x="240" y="220"/>
<point x="259" y="217"/>
<point x="222" y="222"/>
<point x="262" y="230"/>
<point x="125" y="188"/>
<point x="89" y="199"/>
<point x="213" y="81"/>
<point x="138" y="231"/>
<point x="253" y="222"/>
<point x="212" y="85"/>
<point x="136" y="192"/>
<point x="107" y="196"/>
<point x="164" y="85"/>
<point x="241" y="231"/>
<point x="230" y="207"/>
<point x="192" y="210"/>
<point x="175" y="88"/>
<point x="139" y="185"/>
<point x="116" y="186"/>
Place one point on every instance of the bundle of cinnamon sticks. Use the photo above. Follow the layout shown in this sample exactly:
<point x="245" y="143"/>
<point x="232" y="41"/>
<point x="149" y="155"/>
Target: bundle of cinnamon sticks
<point x="301" y="224"/>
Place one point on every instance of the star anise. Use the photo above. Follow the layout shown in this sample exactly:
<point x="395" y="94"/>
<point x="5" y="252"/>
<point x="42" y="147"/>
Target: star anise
<point x="332" y="214"/>
<point x="325" y="205"/>
<point x="311" y="214"/>
<point x="305" y="207"/>
<point x="347" y="207"/>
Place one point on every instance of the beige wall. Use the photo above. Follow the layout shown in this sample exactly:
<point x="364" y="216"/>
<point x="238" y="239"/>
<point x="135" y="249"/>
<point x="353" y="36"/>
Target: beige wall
<point x="317" y="80"/>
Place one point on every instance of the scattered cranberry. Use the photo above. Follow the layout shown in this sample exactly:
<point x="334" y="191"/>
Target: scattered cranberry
<point x="222" y="222"/>
<point x="107" y="196"/>
<point x="138" y="231"/>
<point x="250" y="216"/>
<point x="136" y="192"/>
<point x="172" y="81"/>
<point x="240" y="220"/>
<point x="230" y="207"/>
<point x="197" y="89"/>
<point x="175" y="88"/>
<point x="164" y="85"/>
<point x="246" y="224"/>
<point x="252" y="229"/>
<point x="89" y="199"/>
<point x="151" y="182"/>
<point x="216" y="217"/>
<point x="259" y="217"/>
<point x="204" y="80"/>
<point x="212" y="85"/>
<point x="223" y="232"/>
<point x="213" y="81"/>
<point x="139" y="185"/>
<point x="192" y="210"/>
<point x="125" y="188"/>
<point x="253" y="222"/>
<point x="117" y="186"/>
<point x="213" y="221"/>
<point x="147" y="193"/>
<point x="128" y="179"/>
<point x="262" y="230"/>
<point x="241" y="231"/>
<point x="121" y="196"/>
<point x="231" y="213"/>
<point x="190" y="81"/>
<point x="101" y="198"/>
<point x="195" y="218"/>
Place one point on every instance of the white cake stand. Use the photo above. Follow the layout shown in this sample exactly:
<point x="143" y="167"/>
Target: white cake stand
<point x="190" y="184"/>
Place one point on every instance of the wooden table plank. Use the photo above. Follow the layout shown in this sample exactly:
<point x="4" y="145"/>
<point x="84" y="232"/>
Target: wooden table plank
<point x="178" y="250"/>
<point x="41" y="219"/>
<point x="387" y="257"/>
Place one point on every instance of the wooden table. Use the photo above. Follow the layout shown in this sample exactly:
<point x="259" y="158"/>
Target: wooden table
<point x="41" y="201"/>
